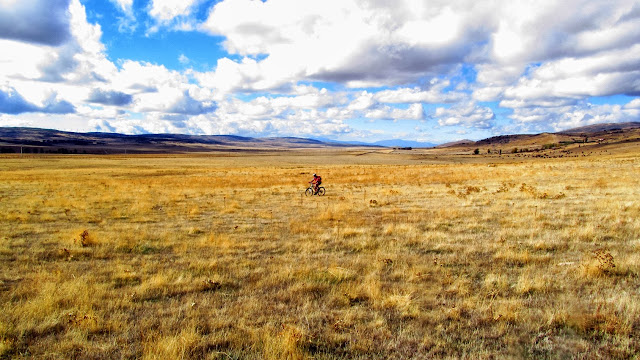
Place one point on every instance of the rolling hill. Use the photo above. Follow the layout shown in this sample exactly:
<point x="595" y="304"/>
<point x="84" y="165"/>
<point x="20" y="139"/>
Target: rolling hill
<point x="593" y="134"/>
<point x="32" y="140"/>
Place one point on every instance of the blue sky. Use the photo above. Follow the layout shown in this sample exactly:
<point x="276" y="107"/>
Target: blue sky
<point x="359" y="70"/>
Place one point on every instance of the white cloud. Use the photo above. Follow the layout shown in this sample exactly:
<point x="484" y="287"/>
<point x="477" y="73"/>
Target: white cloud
<point x="77" y="57"/>
<point x="14" y="121"/>
<point x="561" y="54"/>
<point x="126" y="6"/>
<point x="364" y="101"/>
<point x="548" y="29"/>
<point x="413" y="112"/>
<point x="633" y="104"/>
<point x="603" y="74"/>
<point x="165" y="10"/>
<point x="231" y="76"/>
<point x="280" y="106"/>
<point x="466" y="114"/>
<point x="297" y="123"/>
<point x="566" y="81"/>
<point x="43" y="73"/>
<point x="493" y="74"/>
<point x="126" y="23"/>
<point x="378" y="43"/>
<point x="173" y="14"/>
<point x="173" y="101"/>
<point x="80" y="59"/>
<point x="435" y="94"/>
<point x="144" y="77"/>
<point x="581" y="114"/>
<point x="387" y="44"/>
<point x="310" y="100"/>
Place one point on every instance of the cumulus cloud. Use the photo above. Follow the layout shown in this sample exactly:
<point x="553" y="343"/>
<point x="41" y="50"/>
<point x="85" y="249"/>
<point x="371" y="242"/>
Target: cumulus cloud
<point x="55" y="106"/>
<point x="633" y="104"/>
<point x="466" y="114"/>
<point x="580" y="114"/>
<point x="299" y="122"/>
<point x="434" y="94"/>
<point x="11" y="102"/>
<point x="547" y="30"/>
<point x="379" y="43"/>
<point x="165" y="10"/>
<point x="45" y="22"/>
<point x="549" y="58"/>
<point x="175" y="101"/>
<point x="263" y="107"/>
<point x="567" y="80"/>
<point x="187" y="105"/>
<point x="80" y="59"/>
<point x="146" y="77"/>
<point x="365" y="100"/>
<point x="109" y="97"/>
<point x="413" y="112"/>
<point x="174" y="14"/>
<point x="546" y="53"/>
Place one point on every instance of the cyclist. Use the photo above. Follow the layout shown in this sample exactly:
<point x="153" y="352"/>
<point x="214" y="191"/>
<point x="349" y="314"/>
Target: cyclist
<point x="316" y="181"/>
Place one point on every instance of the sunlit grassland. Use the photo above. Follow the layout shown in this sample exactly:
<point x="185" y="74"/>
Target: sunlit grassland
<point x="223" y="257"/>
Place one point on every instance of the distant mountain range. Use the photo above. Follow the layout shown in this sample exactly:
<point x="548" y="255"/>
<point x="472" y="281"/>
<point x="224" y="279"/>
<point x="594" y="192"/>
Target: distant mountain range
<point x="404" y="143"/>
<point x="384" y="143"/>
<point x="33" y="140"/>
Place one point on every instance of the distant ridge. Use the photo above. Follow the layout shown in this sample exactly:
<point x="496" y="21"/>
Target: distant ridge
<point x="404" y="143"/>
<point x="384" y="143"/>
<point x="602" y="127"/>
<point x="34" y="140"/>
<point x="457" y="143"/>
<point x="611" y="132"/>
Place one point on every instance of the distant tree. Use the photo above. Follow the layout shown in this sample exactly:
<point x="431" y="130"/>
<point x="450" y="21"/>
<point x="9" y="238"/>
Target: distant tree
<point x="476" y="151"/>
<point x="515" y="150"/>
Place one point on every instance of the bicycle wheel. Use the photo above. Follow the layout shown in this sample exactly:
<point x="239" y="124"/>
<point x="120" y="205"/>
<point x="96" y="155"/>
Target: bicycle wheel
<point x="308" y="192"/>
<point x="321" y="191"/>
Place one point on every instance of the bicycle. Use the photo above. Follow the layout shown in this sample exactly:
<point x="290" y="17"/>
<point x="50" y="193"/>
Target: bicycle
<point x="311" y="191"/>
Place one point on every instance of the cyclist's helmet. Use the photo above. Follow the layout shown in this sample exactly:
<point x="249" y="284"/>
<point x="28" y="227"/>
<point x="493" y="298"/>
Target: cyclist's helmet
<point x="314" y="174"/>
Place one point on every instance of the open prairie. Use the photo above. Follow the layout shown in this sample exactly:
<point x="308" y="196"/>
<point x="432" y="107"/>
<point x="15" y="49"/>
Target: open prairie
<point x="408" y="255"/>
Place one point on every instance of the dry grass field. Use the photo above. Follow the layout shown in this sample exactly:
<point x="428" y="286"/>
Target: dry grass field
<point x="221" y="257"/>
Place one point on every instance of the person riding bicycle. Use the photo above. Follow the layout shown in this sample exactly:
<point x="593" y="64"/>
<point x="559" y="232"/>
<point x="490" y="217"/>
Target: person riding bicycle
<point x="317" y="180"/>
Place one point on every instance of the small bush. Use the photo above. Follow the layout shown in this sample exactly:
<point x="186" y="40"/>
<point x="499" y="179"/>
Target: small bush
<point x="604" y="260"/>
<point x="86" y="239"/>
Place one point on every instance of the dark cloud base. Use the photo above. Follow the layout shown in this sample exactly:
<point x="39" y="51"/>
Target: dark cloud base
<point x="107" y="97"/>
<point x="11" y="102"/>
<point x="45" y="22"/>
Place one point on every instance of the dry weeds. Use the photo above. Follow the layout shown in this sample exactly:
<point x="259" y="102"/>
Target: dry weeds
<point x="224" y="258"/>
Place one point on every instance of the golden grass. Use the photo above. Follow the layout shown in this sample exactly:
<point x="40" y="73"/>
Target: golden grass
<point x="222" y="257"/>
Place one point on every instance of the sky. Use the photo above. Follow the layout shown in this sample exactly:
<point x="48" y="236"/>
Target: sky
<point x="347" y="70"/>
